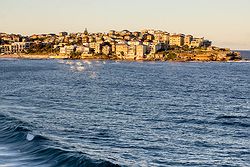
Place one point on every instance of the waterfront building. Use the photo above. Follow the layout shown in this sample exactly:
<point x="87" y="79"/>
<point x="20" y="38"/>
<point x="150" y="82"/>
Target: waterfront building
<point x="113" y="46"/>
<point x="79" y="49"/>
<point x="154" y="48"/>
<point x="118" y="42"/>
<point x="106" y="49"/>
<point x="68" y="49"/>
<point x="176" y="40"/>
<point x="1" y="49"/>
<point x="196" y="42"/>
<point x="132" y="50"/>
<point x="188" y="39"/>
<point x="16" y="47"/>
<point x="141" y="50"/>
<point x="121" y="49"/>
<point x="98" y="48"/>
<point x="83" y="49"/>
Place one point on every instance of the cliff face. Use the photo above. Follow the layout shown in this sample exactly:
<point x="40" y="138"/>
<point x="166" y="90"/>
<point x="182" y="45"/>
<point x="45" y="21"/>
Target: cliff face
<point x="178" y="55"/>
<point x="196" y="55"/>
<point x="209" y="56"/>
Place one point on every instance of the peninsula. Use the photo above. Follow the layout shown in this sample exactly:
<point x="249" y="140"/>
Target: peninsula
<point x="148" y="45"/>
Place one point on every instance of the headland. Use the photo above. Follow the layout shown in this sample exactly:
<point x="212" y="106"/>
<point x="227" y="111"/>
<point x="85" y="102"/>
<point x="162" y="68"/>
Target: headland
<point x="145" y="45"/>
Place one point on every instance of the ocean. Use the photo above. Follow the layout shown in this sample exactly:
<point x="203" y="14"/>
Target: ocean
<point x="72" y="113"/>
<point x="245" y="54"/>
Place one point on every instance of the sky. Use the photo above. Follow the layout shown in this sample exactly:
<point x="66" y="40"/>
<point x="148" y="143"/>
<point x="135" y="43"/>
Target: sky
<point x="225" y="22"/>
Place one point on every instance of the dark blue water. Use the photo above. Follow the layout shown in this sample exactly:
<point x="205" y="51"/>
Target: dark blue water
<point x="245" y="54"/>
<point x="106" y="113"/>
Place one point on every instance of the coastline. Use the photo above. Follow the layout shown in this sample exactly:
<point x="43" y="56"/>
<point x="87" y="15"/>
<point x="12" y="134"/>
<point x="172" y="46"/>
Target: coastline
<point x="48" y="57"/>
<point x="25" y="56"/>
<point x="209" y="56"/>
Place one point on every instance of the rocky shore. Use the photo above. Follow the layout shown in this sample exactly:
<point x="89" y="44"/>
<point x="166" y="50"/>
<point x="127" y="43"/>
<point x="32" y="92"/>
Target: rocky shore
<point x="172" y="55"/>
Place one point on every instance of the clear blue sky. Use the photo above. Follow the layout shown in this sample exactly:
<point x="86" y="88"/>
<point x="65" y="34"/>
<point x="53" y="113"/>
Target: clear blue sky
<point x="226" y="22"/>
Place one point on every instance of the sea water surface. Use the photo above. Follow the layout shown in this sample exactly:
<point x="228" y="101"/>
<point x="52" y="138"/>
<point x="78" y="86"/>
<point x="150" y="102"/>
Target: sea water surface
<point x="61" y="113"/>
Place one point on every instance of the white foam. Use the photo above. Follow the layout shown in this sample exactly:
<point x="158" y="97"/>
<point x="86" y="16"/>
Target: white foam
<point x="87" y="62"/>
<point x="80" y="68"/>
<point x="79" y="63"/>
<point x="30" y="137"/>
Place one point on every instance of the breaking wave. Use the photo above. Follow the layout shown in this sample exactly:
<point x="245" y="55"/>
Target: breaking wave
<point x="39" y="150"/>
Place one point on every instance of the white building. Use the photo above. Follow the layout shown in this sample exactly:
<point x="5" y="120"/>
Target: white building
<point x="67" y="49"/>
<point x="16" y="47"/>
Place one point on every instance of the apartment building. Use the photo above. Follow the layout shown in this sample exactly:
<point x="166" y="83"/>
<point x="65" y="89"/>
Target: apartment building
<point x="176" y="40"/>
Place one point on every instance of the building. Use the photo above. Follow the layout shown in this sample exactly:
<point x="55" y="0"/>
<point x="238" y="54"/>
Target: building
<point x="127" y="37"/>
<point x="121" y="49"/>
<point x="131" y="50"/>
<point x="1" y="49"/>
<point x="176" y="40"/>
<point x="68" y="49"/>
<point x="92" y="45"/>
<point x="63" y="34"/>
<point x="85" y="39"/>
<point x="161" y="37"/>
<point x="156" y="47"/>
<point x="149" y="37"/>
<point x="136" y="34"/>
<point x="188" y="39"/>
<point x="113" y="46"/>
<point x="16" y="47"/>
<point x="83" y="49"/>
<point x="106" y="49"/>
<point x="98" y="48"/>
<point x="86" y="31"/>
<point x="141" y="50"/>
<point x="111" y="32"/>
<point x="196" y="42"/>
